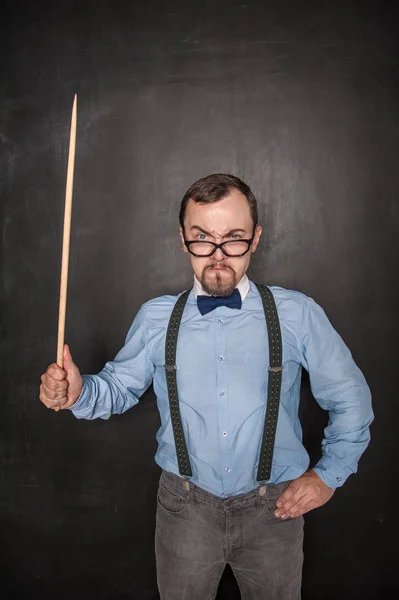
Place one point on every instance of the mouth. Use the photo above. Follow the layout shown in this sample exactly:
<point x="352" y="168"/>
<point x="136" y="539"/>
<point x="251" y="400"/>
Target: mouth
<point x="218" y="268"/>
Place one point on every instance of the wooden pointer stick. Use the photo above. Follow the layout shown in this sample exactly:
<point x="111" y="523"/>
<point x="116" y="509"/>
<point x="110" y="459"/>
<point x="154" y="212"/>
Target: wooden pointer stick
<point x="66" y="237"/>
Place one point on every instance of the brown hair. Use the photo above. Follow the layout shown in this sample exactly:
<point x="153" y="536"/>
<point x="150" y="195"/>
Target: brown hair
<point x="216" y="187"/>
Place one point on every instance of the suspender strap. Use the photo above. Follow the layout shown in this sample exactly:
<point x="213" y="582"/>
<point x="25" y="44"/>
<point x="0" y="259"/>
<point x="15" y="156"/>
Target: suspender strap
<point x="170" y="370"/>
<point x="274" y="387"/>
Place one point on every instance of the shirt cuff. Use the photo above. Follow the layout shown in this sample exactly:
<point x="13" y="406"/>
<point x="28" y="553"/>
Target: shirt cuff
<point x="332" y="471"/>
<point x="83" y="400"/>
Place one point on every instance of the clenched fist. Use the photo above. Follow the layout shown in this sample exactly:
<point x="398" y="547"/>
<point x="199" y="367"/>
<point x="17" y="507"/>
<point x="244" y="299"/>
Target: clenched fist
<point x="61" y="388"/>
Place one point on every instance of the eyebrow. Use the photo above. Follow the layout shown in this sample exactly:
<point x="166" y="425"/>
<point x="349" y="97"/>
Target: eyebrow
<point x="238" y="230"/>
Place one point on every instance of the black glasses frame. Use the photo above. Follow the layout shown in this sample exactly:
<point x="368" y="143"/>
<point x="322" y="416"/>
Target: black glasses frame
<point x="216" y="246"/>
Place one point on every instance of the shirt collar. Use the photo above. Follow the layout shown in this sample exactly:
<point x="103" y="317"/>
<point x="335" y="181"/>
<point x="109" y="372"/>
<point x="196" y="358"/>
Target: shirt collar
<point x="242" y="286"/>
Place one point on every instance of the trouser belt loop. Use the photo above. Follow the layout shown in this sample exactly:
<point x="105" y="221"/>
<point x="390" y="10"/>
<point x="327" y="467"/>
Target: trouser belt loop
<point x="262" y="488"/>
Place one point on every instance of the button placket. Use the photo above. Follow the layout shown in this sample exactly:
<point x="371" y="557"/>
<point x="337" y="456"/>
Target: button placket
<point x="221" y="352"/>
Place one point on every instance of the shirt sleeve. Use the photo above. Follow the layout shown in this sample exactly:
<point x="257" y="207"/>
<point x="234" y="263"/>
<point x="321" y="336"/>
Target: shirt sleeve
<point x="340" y="388"/>
<point x="122" y="381"/>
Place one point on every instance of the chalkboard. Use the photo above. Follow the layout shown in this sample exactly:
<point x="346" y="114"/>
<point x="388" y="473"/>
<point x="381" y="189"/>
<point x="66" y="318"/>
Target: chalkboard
<point x="299" y="99"/>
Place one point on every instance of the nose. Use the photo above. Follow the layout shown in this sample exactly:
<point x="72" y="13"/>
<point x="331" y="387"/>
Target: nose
<point x="218" y="255"/>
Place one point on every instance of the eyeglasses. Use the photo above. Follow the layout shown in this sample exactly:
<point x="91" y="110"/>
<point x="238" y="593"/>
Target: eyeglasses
<point x="229" y="248"/>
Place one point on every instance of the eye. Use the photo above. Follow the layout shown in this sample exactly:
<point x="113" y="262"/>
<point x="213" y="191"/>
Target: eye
<point x="235" y="236"/>
<point x="201" y="237"/>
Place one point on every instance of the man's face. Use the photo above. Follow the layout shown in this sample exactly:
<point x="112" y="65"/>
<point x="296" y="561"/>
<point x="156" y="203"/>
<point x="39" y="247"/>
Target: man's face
<point x="226" y="219"/>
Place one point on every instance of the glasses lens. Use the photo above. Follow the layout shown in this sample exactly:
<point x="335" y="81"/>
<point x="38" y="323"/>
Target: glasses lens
<point x="201" y="248"/>
<point x="235" y="248"/>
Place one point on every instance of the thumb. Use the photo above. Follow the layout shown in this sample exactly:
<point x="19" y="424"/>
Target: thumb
<point x="74" y="378"/>
<point x="69" y="365"/>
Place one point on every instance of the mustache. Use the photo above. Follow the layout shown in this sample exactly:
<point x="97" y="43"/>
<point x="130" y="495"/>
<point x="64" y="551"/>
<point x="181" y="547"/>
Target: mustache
<point x="219" y="265"/>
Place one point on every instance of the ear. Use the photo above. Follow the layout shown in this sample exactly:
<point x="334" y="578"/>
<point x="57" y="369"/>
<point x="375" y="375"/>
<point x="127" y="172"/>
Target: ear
<point x="258" y="233"/>
<point x="182" y="239"/>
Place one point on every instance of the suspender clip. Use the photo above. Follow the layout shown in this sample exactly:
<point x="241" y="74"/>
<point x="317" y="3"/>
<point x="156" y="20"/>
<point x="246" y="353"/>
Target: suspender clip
<point x="275" y="369"/>
<point x="170" y="367"/>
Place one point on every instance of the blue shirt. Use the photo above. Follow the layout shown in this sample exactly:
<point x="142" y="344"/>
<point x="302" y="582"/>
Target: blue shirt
<point x="222" y="377"/>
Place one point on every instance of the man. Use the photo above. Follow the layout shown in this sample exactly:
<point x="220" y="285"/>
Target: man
<point x="218" y="502"/>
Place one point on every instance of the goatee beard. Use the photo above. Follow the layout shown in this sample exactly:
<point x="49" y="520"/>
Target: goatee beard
<point x="218" y="287"/>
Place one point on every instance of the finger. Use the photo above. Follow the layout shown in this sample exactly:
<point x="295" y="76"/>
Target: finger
<point x="56" y="372"/>
<point x="55" y="404"/>
<point x="290" y="491"/>
<point x="54" y="384"/>
<point x="287" y="504"/>
<point x="55" y="395"/>
<point x="305" y="509"/>
<point x="44" y="400"/>
<point x="42" y="395"/>
<point x="49" y="396"/>
<point x="48" y="402"/>
<point x="297" y="507"/>
<point x="295" y="499"/>
<point x="67" y="404"/>
<point x="294" y="504"/>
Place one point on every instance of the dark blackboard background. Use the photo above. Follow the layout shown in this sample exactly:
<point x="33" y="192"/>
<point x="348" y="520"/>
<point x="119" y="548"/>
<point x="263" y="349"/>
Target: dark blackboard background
<point x="300" y="99"/>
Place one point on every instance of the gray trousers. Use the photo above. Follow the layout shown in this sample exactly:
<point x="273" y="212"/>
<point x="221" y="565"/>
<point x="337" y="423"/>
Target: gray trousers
<point x="198" y="533"/>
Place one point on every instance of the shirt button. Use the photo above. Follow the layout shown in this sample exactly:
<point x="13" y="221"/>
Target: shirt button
<point x="339" y="478"/>
<point x="221" y="357"/>
<point x="227" y="469"/>
<point x="224" y="433"/>
<point x="220" y="321"/>
<point x="222" y="394"/>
